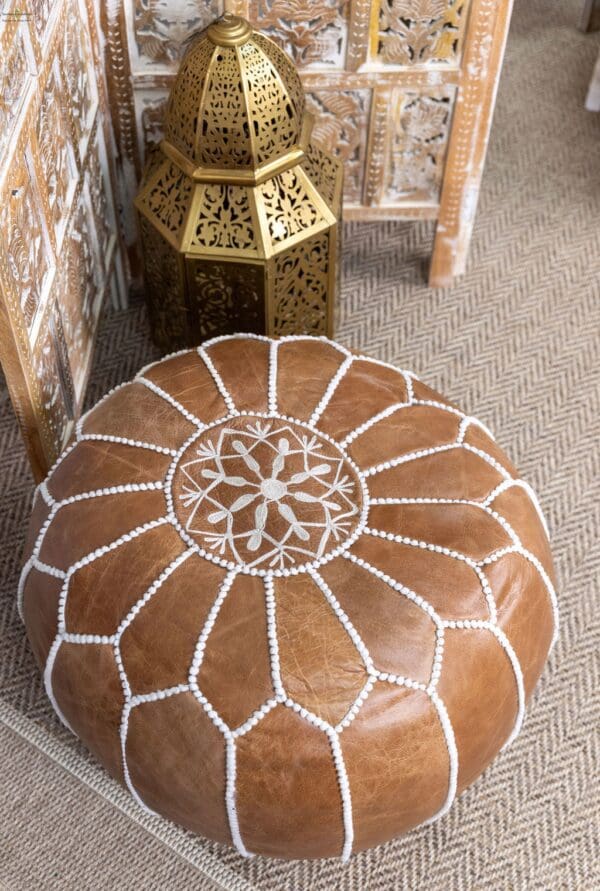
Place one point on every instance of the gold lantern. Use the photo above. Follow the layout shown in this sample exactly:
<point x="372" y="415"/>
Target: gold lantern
<point x="239" y="212"/>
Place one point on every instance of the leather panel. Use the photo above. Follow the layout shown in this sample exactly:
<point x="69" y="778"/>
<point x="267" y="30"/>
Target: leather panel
<point x="176" y="760"/>
<point x="457" y="473"/>
<point x="399" y="636"/>
<point x="136" y="412"/>
<point x="236" y="679"/>
<point x="176" y="614"/>
<point x="520" y="612"/>
<point x="244" y="367"/>
<point x="479" y="690"/>
<point x="88" y="691"/>
<point x="397" y="763"/>
<point x="320" y="666"/>
<point x="410" y="429"/>
<point x="95" y="464"/>
<point x="127" y="573"/>
<point x="123" y="512"/>
<point x="304" y="368"/>
<point x="288" y="797"/>
<point x="187" y="379"/>
<point x="449" y="585"/>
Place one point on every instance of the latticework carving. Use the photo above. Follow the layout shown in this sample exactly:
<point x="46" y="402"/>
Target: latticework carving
<point x="289" y="209"/>
<point x="169" y="196"/>
<point x="184" y="101"/>
<point x="169" y="316"/>
<point x="301" y="287"/>
<point x="226" y="297"/>
<point x="418" y="147"/>
<point x="323" y="172"/>
<point x="273" y="116"/>
<point x="241" y="184"/>
<point x="313" y="33"/>
<point x="161" y="29"/>
<point x="224" y="219"/>
<point x="341" y="127"/>
<point x="417" y="32"/>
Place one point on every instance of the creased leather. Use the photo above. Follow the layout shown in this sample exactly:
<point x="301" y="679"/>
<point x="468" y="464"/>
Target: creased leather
<point x="395" y="753"/>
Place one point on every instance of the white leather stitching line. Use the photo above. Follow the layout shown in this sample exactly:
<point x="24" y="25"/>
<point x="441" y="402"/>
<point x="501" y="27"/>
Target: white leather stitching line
<point x="95" y="555"/>
<point x="448" y="731"/>
<point x="227" y="397"/>
<point x="34" y="563"/>
<point x="167" y="397"/>
<point x="128" y="698"/>
<point x="45" y="494"/>
<point x="228" y="733"/>
<point x="397" y="586"/>
<point x="447" y="552"/>
<point x="515" y="549"/>
<point x="156" y="362"/>
<point x="331" y="388"/>
<point x="281" y="696"/>
<point x="471" y="623"/>
<point x="380" y="416"/>
<point x="502" y="521"/>
<point x="123" y="440"/>
<point x="516" y="667"/>
<point x="272" y="384"/>
<point x="343" y="618"/>
<point x="509" y="483"/>
<point x="434" y="450"/>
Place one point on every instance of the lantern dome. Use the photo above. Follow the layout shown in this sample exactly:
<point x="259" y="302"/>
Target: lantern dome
<point x="237" y="102"/>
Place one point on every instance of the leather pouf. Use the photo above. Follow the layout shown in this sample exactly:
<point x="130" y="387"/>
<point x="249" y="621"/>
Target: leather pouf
<point x="288" y="595"/>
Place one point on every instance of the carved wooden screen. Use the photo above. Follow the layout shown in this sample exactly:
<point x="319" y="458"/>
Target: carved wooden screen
<point x="59" y="249"/>
<point x="403" y="90"/>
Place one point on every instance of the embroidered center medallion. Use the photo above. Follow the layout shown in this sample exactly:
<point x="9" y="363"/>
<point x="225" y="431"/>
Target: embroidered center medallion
<point x="266" y="493"/>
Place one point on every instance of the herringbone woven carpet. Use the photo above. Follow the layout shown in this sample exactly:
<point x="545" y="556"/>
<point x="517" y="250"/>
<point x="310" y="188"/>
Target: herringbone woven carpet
<point x="517" y="342"/>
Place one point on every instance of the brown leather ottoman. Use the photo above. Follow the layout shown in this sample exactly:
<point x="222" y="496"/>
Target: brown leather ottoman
<point x="289" y="596"/>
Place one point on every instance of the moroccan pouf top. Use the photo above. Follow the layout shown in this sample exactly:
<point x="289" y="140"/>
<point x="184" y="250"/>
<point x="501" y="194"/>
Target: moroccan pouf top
<point x="291" y="597"/>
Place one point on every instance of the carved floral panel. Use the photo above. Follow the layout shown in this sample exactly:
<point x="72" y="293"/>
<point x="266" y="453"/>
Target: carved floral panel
<point x="25" y="239"/>
<point x="313" y="32"/>
<point x="97" y="185"/>
<point x="160" y="28"/>
<point x="17" y="64"/>
<point x="151" y="108"/>
<point x="418" y="32"/>
<point x="76" y="65"/>
<point x="46" y="366"/>
<point x="56" y="152"/>
<point x="419" y="135"/>
<point x="341" y="127"/>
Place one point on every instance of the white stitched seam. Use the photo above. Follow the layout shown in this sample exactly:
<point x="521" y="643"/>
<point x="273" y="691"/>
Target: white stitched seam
<point x="227" y="398"/>
<point x="170" y="400"/>
<point x="330" y="390"/>
<point x="272" y="382"/>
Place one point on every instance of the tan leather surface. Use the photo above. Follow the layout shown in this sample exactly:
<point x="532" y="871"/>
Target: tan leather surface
<point x="248" y="498"/>
<point x="89" y="695"/>
<point x="288" y="797"/>
<point x="397" y="763"/>
<point x="177" y="764"/>
<point x="235" y="674"/>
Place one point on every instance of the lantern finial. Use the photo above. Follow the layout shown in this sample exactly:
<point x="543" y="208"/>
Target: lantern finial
<point x="229" y="30"/>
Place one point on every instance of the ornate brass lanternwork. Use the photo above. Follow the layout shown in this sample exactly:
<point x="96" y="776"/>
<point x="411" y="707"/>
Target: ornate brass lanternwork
<point x="238" y="209"/>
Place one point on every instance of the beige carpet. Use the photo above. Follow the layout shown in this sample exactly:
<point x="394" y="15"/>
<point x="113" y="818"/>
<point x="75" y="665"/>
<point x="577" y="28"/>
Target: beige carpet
<point x="517" y="342"/>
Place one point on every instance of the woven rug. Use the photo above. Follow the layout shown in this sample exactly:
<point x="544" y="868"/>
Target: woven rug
<point x="517" y="342"/>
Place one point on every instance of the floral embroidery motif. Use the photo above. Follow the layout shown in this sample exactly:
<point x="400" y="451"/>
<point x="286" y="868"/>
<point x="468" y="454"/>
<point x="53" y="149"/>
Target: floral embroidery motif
<point x="266" y="493"/>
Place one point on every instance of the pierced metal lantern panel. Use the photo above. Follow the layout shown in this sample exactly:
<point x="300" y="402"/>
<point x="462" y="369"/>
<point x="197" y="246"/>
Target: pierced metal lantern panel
<point x="242" y="195"/>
